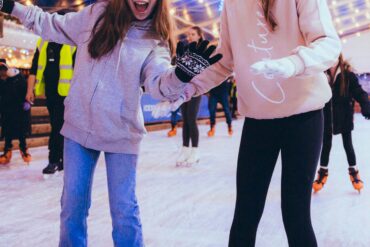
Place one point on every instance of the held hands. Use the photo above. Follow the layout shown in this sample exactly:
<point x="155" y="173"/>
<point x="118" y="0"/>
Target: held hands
<point x="194" y="59"/>
<point x="164" y="109"/>
<point x="283" y="68"/>
<point x="190" y="61"/>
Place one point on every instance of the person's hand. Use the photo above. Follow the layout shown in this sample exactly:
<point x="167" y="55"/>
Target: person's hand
<point x="283" y="68"/>
<point x="30" y="97"/>
<point x="165" y="108"/>
<point x="194" y="59"/>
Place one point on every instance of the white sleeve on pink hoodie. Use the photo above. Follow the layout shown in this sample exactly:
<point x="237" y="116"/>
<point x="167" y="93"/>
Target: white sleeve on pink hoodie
<point x="320" y="53"/>
<point x="318" y="30"/>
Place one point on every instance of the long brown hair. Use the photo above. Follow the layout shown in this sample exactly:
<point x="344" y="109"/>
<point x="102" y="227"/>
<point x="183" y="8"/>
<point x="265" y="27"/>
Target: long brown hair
<point x="113" y="24"/>
<point x="345" y="68"/>
<point x="267" y="6"/>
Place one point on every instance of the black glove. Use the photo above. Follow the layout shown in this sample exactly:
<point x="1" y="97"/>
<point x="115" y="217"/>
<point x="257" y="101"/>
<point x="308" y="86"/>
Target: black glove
<point x="7" y="6"/>
<point x="193" y="59"/>
<point x="365" y="110"/>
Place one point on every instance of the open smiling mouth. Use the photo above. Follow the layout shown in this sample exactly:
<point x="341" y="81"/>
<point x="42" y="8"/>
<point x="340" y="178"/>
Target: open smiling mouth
<point x="141" y="6"/>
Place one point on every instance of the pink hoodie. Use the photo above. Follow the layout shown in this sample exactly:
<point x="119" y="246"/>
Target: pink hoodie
<point x="305" y="34"/>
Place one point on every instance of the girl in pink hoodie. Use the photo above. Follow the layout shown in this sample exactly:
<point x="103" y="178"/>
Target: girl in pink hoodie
<point x="278" y="51"/>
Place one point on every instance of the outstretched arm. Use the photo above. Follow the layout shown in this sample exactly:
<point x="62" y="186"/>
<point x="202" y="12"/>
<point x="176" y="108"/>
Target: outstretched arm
<point x="64" y="29"/>
<point x="158" y="76"/>
<point x="219" y="72"/>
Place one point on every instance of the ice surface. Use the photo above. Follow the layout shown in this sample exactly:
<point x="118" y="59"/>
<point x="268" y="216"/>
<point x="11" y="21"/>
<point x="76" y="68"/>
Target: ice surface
<point x="186" y="207"/>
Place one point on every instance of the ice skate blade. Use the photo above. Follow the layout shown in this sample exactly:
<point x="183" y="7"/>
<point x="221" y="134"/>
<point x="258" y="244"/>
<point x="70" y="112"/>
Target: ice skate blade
<point x="359" y="191"/>
<point x="190" y="164"/>
<point x="180" y="164"/>
<point x="317" y="190"/>
<point x="49" y="176"/>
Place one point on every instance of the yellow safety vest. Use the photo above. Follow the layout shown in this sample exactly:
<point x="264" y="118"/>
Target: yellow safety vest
<point x="65" y="68"/>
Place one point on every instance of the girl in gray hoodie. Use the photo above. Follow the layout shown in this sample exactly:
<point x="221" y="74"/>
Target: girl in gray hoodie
<point x="122" y="45"/>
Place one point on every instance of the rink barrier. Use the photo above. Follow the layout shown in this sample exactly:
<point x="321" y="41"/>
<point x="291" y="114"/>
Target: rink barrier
<point x="41" y="127"/>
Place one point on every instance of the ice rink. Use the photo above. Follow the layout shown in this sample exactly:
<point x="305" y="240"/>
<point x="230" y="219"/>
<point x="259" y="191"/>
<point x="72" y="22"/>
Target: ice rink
<point x="186" y="207"/>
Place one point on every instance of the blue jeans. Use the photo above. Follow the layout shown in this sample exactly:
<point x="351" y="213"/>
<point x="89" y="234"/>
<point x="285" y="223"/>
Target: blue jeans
<point x="212" y="107"/>
<point x="79" y="167"/>
<point x="175" y="117"/>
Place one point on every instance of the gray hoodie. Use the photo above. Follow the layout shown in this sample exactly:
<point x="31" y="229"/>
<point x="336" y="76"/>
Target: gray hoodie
<point x="103" y="110"/>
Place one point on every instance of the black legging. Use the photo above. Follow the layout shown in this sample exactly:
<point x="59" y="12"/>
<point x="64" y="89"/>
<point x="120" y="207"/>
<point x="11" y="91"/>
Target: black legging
<point x="347" y="144"/>
<point x="9" y="143"/>
<point x="298" y="138"/>
<point x="190" y="131"/>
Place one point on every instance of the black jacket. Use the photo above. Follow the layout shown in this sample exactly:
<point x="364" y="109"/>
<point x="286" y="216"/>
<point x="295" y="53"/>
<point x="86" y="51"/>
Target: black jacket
<point x="15" y="121"/>
<point x="339" y="110"/>
<point x="221" y="89"/>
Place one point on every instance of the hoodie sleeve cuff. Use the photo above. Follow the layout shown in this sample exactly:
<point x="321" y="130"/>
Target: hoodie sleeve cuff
<point x="20" y="11"/>
<point x="298" y="63"/>
<point x="8" y="6"/>
<point x="172" y="87"/>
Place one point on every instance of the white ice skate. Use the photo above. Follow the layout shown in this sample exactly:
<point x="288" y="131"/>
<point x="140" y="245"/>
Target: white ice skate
<point x="193" y="158"/>
<point x="183" y="157"/>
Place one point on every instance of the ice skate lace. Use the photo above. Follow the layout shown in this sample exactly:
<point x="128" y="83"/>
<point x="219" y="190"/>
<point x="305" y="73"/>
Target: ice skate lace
<point x="322" y="175"/>
<point x="354" y="175"/>
<point x="25" y="153"/>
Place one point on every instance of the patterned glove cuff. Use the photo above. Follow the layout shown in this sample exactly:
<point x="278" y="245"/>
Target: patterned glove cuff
<point x="182" y="75"/>
<point x="6" y="6"/>
<point x="190" y="64"/>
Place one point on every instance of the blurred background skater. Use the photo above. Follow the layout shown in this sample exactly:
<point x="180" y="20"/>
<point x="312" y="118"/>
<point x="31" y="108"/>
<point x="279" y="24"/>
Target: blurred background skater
<point x="220" y="94"/>
<point x="50" y="76"/>
<point x="175" y="115"/>
<point x="338" y="119"/>
<point x="15" y="112"/>
<point x="234" y="99"/>
<point x="174" y="119"/>
<point x="189" y="111"/>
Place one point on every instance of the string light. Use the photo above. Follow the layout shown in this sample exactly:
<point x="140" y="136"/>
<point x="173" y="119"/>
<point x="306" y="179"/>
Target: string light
<point x="215" y="30"/>
<point x="208" y="9"/>
<point x="186" y="14"/>
<point x="351" y="17"/>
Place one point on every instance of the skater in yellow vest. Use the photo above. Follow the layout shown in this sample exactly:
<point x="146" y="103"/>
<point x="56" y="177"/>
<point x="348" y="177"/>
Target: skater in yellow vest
<point x="51" y="74"/>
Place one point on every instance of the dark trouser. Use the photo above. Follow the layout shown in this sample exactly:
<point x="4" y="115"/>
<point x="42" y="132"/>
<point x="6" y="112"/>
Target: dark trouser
<point x="299" y="139"/>
<point x="212" y="106"/>
<point x="174" y="118"/>
<point x="9" y="143"/>
<point x="56" y="111"/>
<point x="348" y="147"/>
<point x="190" y="131"/>
<point x="234" y="101"/>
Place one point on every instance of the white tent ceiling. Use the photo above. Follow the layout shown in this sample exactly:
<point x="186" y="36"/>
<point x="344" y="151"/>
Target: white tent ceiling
<point x="351" y="18"/>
